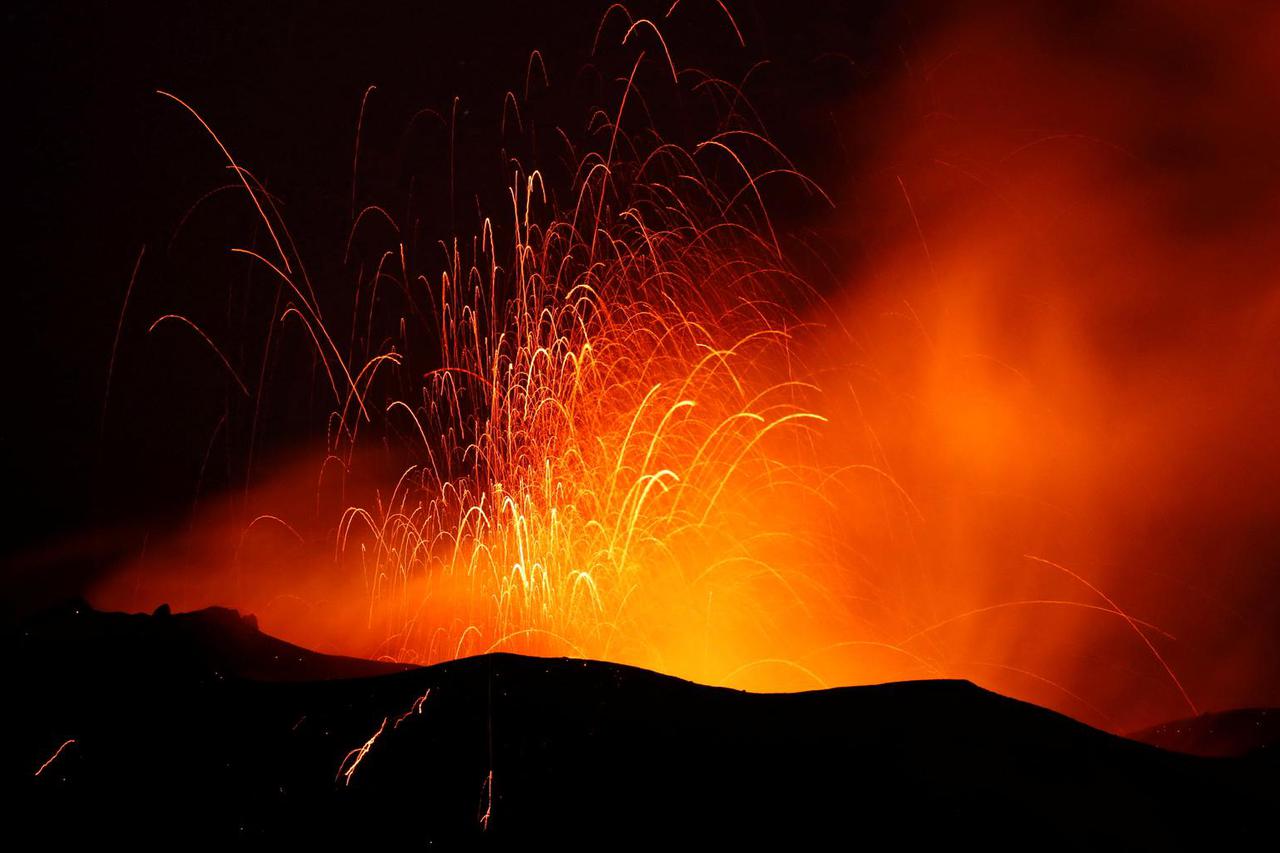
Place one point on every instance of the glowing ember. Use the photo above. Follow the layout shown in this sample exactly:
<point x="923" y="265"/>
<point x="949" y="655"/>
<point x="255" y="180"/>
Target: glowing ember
<point x="347" y="768"/>
<point x="52" y="758"/>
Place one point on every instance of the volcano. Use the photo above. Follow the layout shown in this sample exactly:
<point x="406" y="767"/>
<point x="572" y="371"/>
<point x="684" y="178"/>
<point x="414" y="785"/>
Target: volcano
<point x="197" y="725"/>
<point x="643" y="423"/>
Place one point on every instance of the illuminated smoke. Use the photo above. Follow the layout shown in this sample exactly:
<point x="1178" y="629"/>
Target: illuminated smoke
<point x="1027" y="442"/>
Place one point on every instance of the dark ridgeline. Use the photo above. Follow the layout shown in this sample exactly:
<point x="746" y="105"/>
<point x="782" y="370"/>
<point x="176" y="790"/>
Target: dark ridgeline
<point x="197" y="727"/>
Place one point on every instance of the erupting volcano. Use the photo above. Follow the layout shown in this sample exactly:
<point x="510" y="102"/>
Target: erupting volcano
<point x="777" y="350"/>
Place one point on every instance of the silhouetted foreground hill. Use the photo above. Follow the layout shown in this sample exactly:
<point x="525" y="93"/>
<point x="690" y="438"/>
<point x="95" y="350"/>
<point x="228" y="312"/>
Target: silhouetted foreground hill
<point x="176" y="744"/>
<point x="1243" y="731"/>
<point x="214" y="642"/>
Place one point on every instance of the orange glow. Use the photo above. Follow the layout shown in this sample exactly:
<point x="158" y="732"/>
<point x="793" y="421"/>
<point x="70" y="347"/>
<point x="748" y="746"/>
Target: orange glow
<point x="1024" y="444"/>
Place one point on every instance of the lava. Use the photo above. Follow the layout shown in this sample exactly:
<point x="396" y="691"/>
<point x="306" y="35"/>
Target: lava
<point x="617" y="422"/>
<point x="52" y="758"/>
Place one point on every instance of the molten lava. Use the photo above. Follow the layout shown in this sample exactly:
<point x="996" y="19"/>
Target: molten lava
<point x="1012" y="447"/>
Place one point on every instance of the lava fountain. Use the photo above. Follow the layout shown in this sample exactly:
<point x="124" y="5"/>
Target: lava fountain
<point x="616" y="422"/>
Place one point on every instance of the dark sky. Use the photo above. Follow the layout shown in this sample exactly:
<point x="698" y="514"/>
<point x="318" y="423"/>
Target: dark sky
<point x="104" y="166"/>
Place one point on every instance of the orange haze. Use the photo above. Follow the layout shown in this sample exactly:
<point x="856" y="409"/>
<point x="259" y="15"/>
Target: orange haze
<point x="1045" y="452"/>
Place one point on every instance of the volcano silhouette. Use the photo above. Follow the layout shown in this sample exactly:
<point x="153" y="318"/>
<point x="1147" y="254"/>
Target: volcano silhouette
<point x="197" y="728"/>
